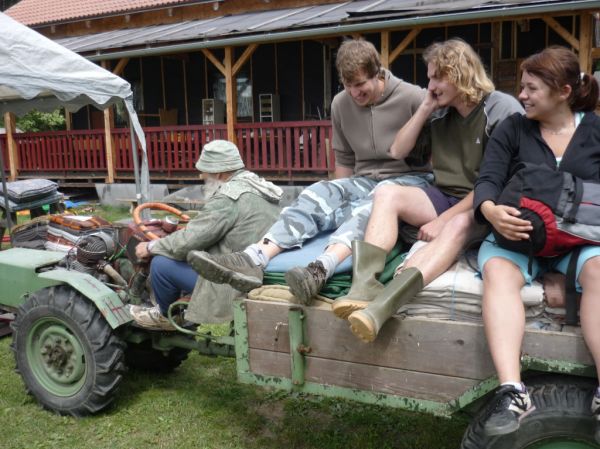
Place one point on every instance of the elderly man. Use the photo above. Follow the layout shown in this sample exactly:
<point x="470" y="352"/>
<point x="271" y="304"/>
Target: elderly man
<point x="240" y="207"/>
<point x="365" y="118"/>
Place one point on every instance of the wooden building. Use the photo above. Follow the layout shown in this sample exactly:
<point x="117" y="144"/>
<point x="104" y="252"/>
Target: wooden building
<point x="261" y="72"/>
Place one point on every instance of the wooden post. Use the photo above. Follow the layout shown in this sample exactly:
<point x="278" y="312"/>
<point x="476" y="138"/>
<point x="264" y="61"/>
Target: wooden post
<point x="385" y="49"/>
<point x="230" y="70"/>
<point x="231" y="94"/>
<point x="586" y="36"/>
<point x="402" y="45"/>
<point x="13" y="155"/>
<point x="68" y="120"/>
<point x="109" y="148"/>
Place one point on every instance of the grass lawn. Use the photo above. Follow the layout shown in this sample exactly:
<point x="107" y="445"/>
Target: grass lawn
<point x="202" y="406"/>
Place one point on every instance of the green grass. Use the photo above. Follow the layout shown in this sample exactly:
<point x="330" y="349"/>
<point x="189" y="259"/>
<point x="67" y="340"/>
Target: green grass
<point x="201" y="405"/>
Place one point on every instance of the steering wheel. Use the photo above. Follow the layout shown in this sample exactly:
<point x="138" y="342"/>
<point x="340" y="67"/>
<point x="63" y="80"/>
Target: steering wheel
<point x="137" y="219"/>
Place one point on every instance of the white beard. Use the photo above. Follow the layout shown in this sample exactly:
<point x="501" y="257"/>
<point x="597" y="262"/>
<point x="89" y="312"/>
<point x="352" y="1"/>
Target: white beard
<point x="211" y="187"/>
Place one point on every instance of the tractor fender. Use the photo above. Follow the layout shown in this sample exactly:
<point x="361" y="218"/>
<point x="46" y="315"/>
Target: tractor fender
<point x="106" y="300"/>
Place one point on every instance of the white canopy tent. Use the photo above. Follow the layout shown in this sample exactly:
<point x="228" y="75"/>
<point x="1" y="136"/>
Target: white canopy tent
<point x="37" y="73"/>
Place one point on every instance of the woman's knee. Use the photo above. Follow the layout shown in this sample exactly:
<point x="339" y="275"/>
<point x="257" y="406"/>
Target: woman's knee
<point x="589" y="277"/>
<point x="500" y="270"/>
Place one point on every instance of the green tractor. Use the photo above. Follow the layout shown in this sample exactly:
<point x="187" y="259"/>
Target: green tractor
<point x="73" y="335"/>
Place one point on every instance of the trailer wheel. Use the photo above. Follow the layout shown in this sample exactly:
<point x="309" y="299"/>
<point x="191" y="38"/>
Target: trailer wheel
<point x="65" y="351"/>
<point x="143" y="357"/>
<point x="562" y="419"/>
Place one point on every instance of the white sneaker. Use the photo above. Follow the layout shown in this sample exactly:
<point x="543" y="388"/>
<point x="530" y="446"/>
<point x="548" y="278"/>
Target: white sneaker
<point x="150" y="318"/>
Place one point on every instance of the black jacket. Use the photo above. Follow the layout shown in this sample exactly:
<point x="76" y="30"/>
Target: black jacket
<point x="518" y="139"/>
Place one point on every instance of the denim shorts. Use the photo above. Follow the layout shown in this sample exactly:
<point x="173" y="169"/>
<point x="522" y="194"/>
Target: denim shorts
<point x="540" y="265"/>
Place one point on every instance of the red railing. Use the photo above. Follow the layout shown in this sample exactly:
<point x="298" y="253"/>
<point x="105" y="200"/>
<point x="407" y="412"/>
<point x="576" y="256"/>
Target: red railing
<point x="61" y="151"/>
<point x="3" y="145"/>
<point x="280" y="149"/>
<point x="286" y="147"/>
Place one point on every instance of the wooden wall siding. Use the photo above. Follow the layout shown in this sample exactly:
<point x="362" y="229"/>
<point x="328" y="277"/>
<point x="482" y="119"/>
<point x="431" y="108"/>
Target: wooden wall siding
<point x="410" y="357"/>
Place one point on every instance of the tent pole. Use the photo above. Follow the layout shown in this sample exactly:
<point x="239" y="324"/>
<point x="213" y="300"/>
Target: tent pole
<point x="7" y="212"/>
<point x="136" y="165"/>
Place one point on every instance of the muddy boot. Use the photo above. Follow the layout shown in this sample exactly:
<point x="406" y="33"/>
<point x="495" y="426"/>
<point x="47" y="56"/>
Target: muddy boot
<point x="365" y="324"/>
<point x="368" y="262"/>
<point x="235" y="269"/>
<point x="306" y="282"/>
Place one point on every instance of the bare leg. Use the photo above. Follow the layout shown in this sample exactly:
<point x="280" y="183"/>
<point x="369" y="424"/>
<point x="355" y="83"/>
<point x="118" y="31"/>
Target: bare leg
<point x="504" y="316"/>
<point x="590" y="307"/>
<point x="438" y="255"/>
<point x="392" y="202"/>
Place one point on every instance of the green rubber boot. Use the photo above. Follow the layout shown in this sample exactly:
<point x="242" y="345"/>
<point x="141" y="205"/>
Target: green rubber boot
<point x="366" y="323"/>
<point x="368" y="261"/>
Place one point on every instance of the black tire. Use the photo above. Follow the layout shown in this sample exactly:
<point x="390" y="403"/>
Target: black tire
<point x="143" y="357"/>
<point x="562" y="419"/>
<point x="68" y="356"/>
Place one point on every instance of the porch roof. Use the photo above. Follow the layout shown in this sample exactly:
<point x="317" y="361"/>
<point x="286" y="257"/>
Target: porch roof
<point x="304" y="22"/>
<point x="36" y="12"/>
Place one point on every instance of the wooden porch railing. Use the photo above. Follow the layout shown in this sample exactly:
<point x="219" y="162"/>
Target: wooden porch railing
<point x="281" y="150"/>
<point x="286" y="148"/>
<point x="4" y="147"/>
<point x="65" y="152"/>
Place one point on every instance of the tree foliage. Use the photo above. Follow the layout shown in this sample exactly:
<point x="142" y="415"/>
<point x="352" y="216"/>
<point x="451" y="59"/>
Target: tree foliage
<point x="35" y="121"/>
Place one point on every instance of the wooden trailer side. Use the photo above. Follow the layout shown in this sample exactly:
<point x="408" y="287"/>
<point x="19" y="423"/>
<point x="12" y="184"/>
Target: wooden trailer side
<point x="435" y="362"/>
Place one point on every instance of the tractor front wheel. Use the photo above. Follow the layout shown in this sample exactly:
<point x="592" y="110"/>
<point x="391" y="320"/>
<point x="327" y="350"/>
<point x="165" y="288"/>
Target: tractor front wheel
<point x="68" y="356"/>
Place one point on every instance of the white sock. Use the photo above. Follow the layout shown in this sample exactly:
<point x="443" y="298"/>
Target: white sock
<point x="257" y="255"/>
<point x="330" y="262"/>
<point x="518" y="385"/>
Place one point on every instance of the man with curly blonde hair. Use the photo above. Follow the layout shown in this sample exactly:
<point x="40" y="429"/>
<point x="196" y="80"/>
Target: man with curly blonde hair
<point x="452" y="124"/>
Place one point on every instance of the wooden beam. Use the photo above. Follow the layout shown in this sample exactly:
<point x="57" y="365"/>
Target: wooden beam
<point x="185" y="91"/>
<point x="13" y="155"/>
<point x="230" y="94"/>
<point x="405" y="43"/>
<point x="162" y="82"/>
<point x="244" y="58"/>
<point x="385" y="49"/>
<point x="109" y="148"/>
<point x="68" y="120"/>
<point x="586" y="36"/>
<point x="212" y="58"/>
<point x="118" y="70"/>
<point x="562" y="32"/>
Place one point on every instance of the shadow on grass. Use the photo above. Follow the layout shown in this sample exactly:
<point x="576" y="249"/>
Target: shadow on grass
<point x="207" y="388"/>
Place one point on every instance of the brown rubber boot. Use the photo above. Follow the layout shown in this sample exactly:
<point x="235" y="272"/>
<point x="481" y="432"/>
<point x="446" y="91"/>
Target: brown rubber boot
<point x="368" y="262"/>
<point x="366" y="323"/>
